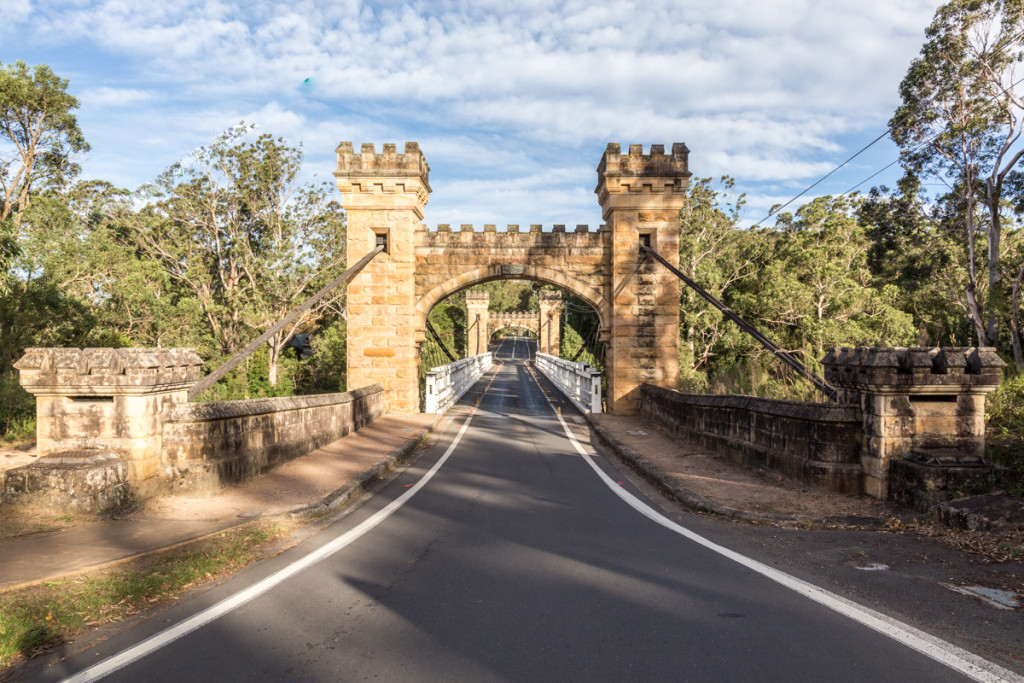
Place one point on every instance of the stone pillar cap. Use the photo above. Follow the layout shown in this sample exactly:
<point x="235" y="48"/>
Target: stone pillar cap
<point x="913" y="366"/>
<point x="106" y="371"/>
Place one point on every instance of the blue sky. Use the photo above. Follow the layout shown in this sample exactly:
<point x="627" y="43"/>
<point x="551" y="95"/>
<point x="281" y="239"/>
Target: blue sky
<point x="512" y="103"/>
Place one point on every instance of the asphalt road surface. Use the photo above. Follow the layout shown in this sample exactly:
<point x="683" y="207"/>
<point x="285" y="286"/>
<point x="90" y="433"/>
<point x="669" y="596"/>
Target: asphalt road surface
<point x="515" y="561"/>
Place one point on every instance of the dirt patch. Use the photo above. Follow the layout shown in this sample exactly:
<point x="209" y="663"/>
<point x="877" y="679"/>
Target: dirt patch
<point x="12" y="456"/>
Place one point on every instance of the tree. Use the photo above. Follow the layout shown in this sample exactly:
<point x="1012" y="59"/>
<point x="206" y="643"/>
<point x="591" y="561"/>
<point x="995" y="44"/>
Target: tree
<point x="234" y="229"/>
<point x="38" y="136"/>
<point x="960" y="121"/>
<point x="715" y="253"/>
<point x="913" y="248"/>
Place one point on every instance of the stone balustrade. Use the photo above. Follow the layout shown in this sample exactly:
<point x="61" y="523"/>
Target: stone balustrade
<point x="918" y="412"/>
<point x="114" y="425"/>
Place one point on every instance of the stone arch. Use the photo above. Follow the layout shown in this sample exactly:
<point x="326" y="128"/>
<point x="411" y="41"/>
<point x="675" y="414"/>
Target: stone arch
<point x="385" y="195"/>
<point x="528" y="272"/>
<point x="531" y="330"/>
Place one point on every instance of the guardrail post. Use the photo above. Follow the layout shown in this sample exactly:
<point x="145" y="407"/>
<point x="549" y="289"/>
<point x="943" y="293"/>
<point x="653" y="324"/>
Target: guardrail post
<point x="595" y="391"/>
<point x="431" y="402"/>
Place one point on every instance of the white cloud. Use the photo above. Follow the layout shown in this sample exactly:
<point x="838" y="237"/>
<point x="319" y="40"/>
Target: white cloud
<point x="113" y="97"/>
<point x="14" y="11"/>
<point x="495" y="90"/>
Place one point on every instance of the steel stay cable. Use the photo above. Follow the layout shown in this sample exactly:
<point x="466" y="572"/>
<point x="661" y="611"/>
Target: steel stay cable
<point x="778" y="351"/>
<point x="208" y="381"/>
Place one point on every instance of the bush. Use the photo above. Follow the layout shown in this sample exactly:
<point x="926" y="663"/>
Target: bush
<point x="17" y="410"/>
<point x="1004" y="414"/>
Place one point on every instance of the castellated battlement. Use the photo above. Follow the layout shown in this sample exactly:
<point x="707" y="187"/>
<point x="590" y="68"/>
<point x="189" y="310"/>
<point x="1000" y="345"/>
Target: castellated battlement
<point x="389" y="163"/>
<point x="511" y="228"/>
<point x="513" y="235"/>
<point x="636" y="163"/>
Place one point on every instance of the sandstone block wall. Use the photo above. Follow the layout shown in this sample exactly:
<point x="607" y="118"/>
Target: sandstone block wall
<point x="116" y="425"/>
<point x="641" y="196"/>
<point x="207" y="445"/>
<point x="914" y="399"/>
<point x="638" y="304"/>
<point x="818" y="444"/>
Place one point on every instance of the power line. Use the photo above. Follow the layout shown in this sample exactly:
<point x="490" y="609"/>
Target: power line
<point x="919" y="146"/>
<point x="863" y="149"/>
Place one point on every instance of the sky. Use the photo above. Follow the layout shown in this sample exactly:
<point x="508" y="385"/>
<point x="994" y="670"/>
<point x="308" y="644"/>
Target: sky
<point x="512" y="103"/>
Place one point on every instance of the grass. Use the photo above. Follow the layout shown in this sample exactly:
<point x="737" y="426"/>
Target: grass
<point x="36" y="618"/>
<point x="20" y="431"/>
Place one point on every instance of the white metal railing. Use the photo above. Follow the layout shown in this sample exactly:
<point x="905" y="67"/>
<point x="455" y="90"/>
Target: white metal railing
<point x="447" y="383"/>
<point x="578" y="381"/>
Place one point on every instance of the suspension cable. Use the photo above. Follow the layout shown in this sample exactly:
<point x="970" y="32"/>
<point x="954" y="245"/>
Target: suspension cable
<point x="781" y="354"/>
<point x="211" y="379"/>
<point x="437" y="338"/>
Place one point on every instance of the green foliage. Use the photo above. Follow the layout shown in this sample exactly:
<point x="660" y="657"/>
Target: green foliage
<point x="38" y="136"/>
<point x="509" y="296"/>
<point x="806" y="284"/>
<point x="448" y="319"/>
<point x="17" y="410"/>
<point x="234" y="232"/>
<point x="326" y="370"/>
<point x="960" y="122"/>
<point x="1004" y="410"/>
<point x="33" y="619"/>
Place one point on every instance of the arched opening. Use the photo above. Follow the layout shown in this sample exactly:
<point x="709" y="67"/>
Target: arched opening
<point x="589" y="295"/>
<point x="511" y="330"/>
<point x="525" y="304"/>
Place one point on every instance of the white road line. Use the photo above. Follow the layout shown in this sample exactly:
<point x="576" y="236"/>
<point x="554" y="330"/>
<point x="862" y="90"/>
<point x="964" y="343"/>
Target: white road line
<point x="956" y="658"/>
<point x="196" y="621"/>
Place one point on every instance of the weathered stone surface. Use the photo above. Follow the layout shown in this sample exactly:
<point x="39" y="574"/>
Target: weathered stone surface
<point x="103" y="372"/>
<point x="209" y="445"/>
<point x="107" y="399"/>
<point x="815" y="443"/>
<point x="115" y="424"/>
<point x="924" y="479"/>
<point x="914" y="399"/>
<point x="89" y="483"/>
<point x="640" y="194"/>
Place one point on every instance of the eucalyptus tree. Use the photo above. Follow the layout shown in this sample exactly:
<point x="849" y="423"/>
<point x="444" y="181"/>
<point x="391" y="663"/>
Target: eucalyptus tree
<point x="39" y="135"/>
<point x="233" y="226"/>
<point x="717" y="254"/>
<point x="961" y="121"/>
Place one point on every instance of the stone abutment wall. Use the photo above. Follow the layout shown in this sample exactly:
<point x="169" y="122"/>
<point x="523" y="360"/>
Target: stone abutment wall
<point x="206" y="445"/>
<point x="115" y="425"/>
<point x="909" y="425"/>
<point x="818" y="444"/>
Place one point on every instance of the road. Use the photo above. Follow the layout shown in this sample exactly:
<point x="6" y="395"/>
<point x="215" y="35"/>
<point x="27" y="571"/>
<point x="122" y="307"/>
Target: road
<point x="502" y="554"/>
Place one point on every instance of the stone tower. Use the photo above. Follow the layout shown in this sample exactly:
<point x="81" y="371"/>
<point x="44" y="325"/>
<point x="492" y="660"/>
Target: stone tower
<point x="550" y="327"/>
<point x="477" y="315"/>
<point x="640" y="196"/>
<point x="384" y="196"/>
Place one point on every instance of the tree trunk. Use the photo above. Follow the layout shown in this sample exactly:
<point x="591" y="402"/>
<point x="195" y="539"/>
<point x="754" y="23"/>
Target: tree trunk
<point x="995" y="274"/>
<point x="274" y="345"/>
